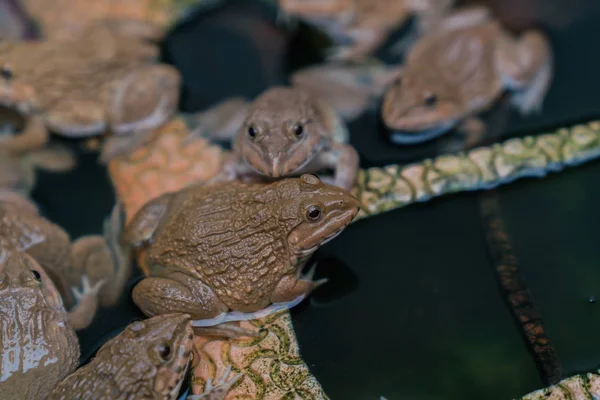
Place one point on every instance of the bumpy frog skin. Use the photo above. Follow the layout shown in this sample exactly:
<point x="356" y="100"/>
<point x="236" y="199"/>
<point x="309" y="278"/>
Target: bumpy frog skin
<point x="39" y="347"/>
<point x="461" y="69"/>
<point x="365" y="23"/>
<point x="287" y="132"/>
<point x="148" y="360"/>
<point x="234" y="246"/>
<point x="104" y="81"/>
<point x="69" y="265"/>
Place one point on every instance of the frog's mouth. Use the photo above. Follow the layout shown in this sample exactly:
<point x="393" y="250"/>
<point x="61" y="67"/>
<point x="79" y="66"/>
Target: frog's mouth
<point x="417" y="137"/>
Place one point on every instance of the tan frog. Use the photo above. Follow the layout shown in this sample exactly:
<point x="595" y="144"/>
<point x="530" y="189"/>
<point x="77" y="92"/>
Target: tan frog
<point x="38" y="345"/>
<point x="461" y="69"/>
<point x="366" y="24"/>
<point x="148" y="360"/>
<point x="285" y="132"/>
<point x="89" y="261"/>
<point x="234" y="251"/>
<point x="103" y="81"/>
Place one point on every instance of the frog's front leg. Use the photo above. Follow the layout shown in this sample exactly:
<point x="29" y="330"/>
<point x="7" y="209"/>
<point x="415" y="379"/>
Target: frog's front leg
<point x="143" y="101"/>
<point x="292" y="287"/>
<point x="220" y="389"/>
<point x="526" y="65"/>
<point x="344" y="160"/>
<point x="82" y="315"/>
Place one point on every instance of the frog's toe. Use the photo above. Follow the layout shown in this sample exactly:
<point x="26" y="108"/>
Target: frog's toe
<point x="220" y="390"/>
<point x="309" y="277"/>
<point x="87" y="289"/>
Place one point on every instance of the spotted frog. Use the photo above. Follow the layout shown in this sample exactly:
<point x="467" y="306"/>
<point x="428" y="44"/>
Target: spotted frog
<point x="460" y="69"/>
<point x="234" y="251"/>
<point x="105" y="80"/>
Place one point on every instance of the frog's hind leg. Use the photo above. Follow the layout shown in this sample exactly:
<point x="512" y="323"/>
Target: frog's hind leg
<point x="220" y="389"/>
<point x="526" y="65"/>
<point x="146" y="99"/>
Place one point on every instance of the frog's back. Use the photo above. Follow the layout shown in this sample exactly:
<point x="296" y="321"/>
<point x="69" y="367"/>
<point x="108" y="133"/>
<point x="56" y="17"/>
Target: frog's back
<point x="460" y="59"/>
<point x="230" y="236"/>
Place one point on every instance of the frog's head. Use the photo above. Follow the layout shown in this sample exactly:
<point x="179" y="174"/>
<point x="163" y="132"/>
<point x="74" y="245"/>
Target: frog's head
<point x="16" y="92"/>
<point x="155" y="352"/>
<point x="418" y="109"/>
<point x="23" y="280"/>
<point x="315" y="8"/>
<point x="315" y="212"/>
<point x="283" y="132"/>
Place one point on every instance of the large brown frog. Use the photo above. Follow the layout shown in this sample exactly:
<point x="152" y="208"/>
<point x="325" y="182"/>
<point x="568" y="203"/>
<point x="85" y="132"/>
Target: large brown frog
<point x="104" y="81"/>
<point x="224" y="252"/>
<point x="38" y="344"/>
<point x="89" y="261"/>
<point x="148" y="360"/>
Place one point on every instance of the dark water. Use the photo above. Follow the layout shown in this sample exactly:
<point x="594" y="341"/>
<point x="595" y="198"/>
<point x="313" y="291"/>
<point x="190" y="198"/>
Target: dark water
<point x="413" y="309"/>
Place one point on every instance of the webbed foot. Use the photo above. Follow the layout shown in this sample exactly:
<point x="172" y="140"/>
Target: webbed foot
<point x="218" y="391"/>
<point x="82" y="315"/>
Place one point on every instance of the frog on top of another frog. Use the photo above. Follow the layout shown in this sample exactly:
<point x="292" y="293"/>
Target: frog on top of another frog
<point x="104" y="81"/>
<point x="365" y="24"/>
<point x="234" y="251"/>
<point x="285" y="131"/>
<point x="462" y="68"/>
<point x="89" y="262"/>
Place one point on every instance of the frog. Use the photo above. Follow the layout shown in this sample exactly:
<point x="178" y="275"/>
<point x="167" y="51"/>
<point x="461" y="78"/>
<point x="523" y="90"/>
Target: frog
<point x="360" y="27"/>
<point x="79" y="269"/>
<point x="39" y="344"/>
<point x="233" y="251"/>
<point x="105" y="81"/>
<point x="461" y="69"/>
<point x="169" y="162"/>
<point x="286" y="131"/>
<point x="148" y="359"/>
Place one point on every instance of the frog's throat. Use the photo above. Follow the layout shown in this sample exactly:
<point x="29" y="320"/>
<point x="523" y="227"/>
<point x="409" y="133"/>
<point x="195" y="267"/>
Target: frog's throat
<point x="233" y="316"/>
<point x="407" y="137"/>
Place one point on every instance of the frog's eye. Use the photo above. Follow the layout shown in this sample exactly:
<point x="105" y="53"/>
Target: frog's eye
<point x="314" y="213"/>
<point x="36" y="275"/>
<point x="252" y="131"/>
<point x="298" y="130"/>
<point x="430" y="99"/>
<point x="6" y="72"/>
<point x="164" y="351"/>
<point x="310" y="179"/>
